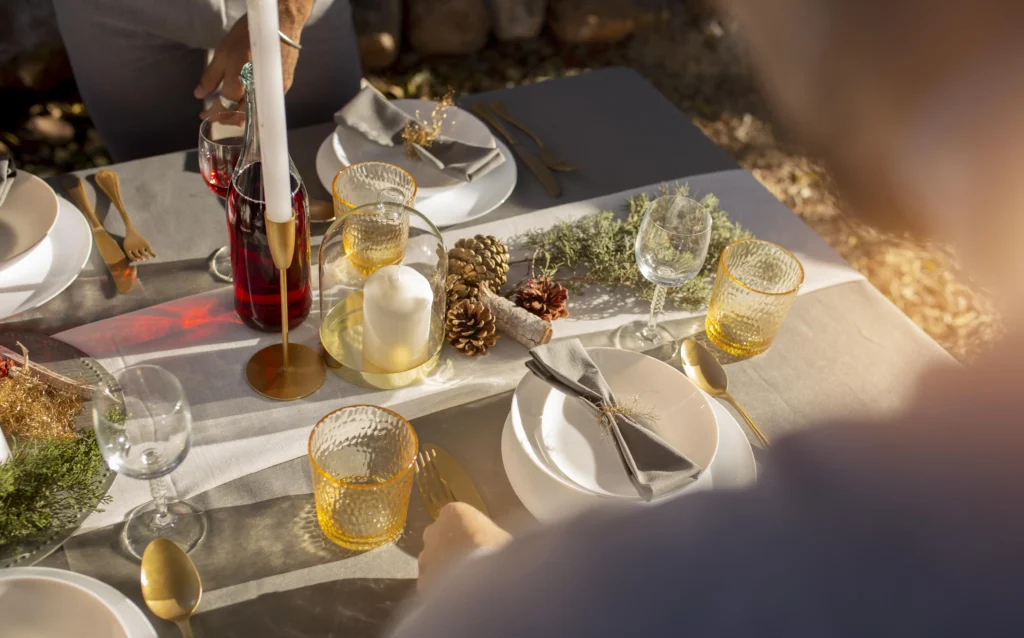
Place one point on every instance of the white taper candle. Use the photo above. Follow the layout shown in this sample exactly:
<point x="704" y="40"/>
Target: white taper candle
<point x="266" y="62"/>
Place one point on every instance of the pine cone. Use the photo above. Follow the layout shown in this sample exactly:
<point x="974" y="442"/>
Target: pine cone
<point x="480" y="259"/>
<point x="544" y="298"/>
<point x="470" y="327"/>
<point x="457" y="289"/>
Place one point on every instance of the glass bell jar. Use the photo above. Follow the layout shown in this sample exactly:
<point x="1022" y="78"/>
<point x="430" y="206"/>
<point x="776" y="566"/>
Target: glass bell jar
<point x="382" y="295"/>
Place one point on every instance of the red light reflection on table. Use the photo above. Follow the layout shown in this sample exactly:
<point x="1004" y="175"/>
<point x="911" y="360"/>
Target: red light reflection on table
<point x="205" y="319"/>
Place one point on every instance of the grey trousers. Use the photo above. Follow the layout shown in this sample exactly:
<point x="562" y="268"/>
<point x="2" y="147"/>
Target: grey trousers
<point x="137" y="62"/>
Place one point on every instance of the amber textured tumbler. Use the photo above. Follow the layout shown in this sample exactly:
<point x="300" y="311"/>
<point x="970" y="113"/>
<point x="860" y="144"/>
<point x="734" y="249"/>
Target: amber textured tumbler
<point x="362" y="463"/>
<point x="755" y="287"/>
<point x="370" y="182"/>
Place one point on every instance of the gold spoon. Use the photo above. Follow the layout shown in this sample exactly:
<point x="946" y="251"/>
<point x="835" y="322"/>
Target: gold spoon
<point x="704" y="370"/>
<point x="170" y="584"/>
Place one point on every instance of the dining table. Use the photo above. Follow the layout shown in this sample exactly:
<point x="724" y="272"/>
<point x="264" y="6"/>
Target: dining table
<point x="267" y="569"/>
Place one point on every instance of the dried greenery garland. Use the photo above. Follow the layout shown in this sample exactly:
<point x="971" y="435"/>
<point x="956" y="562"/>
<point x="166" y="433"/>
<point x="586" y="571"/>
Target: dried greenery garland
<point x="46" y="486"/>
<point x="54" y="473"/>
<point x="599" y="250"/>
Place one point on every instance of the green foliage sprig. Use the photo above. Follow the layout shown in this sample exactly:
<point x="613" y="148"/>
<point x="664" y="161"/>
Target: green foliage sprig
<point x="46" y="485"/>
<point x="598" y="250"/>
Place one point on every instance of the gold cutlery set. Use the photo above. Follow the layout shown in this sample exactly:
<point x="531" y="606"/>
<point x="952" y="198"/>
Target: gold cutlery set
<point x="540" y="165"/>
<point x="441" y="480"/>
<point x="136" y="247"/>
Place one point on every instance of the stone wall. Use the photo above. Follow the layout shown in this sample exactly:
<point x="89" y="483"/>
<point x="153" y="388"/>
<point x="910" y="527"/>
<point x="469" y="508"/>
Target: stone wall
<point x="463" y="27"/>
<point x="31" y="54"/>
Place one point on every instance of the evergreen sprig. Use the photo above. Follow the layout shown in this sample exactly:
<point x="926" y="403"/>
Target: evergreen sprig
<point x="599" y="250"/>
<point x="46" y="485"/>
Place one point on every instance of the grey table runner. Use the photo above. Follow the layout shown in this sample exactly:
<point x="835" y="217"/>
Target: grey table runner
<point x="266" y="566"/>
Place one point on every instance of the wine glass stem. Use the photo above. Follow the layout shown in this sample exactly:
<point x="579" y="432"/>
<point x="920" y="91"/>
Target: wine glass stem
<point x="657" y="303"/>
<point x="158" y="489"/>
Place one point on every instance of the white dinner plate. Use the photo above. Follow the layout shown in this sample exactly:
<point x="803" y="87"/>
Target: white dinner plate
<point x="550" y="501"/>
<point x="45" y="271"/>
<point x="26" y="216"/>
<point x="565" y="438"/>
<point x="449" y="201"/>
<point x="54" y="603"/>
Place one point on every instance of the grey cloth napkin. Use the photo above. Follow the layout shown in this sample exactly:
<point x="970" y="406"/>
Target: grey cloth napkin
<point x="7" y="175"/>
<point x="373" y="115"/>
<point x="654" y="467"/>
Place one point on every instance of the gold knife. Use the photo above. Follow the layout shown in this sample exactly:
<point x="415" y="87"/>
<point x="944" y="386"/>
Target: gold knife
<point x="458" y="480"/>
<point x="113" y="256"/>
<point x="534" y="163"/>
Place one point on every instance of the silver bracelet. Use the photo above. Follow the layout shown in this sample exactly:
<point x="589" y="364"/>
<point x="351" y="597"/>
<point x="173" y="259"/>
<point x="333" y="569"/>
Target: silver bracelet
<point x="289" y="41"/>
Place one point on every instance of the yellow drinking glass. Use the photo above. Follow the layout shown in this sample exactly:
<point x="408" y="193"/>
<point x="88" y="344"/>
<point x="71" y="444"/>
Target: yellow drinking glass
<point x="755" y="287"/>
<point x="370" y="182"/>
<point x="362" y="462"/>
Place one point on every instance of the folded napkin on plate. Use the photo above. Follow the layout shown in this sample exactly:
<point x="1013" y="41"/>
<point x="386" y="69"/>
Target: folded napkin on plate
<point x="7" y="174"/>
<point x="654" y="467"/>
<point x="373" y="115"/>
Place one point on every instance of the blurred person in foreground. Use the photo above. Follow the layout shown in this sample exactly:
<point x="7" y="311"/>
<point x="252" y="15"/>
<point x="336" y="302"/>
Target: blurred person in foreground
<point x="911" y="527"/>
<point x="147" y="68"/>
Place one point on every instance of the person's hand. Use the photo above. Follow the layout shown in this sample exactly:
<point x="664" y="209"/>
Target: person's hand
<point x="459" y="530"/>
<point x="233" y="52"/>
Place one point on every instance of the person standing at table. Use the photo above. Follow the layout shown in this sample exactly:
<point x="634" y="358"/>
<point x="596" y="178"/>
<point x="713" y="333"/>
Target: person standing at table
<point x="910" y="527"/>
<point x="139" y="65"/>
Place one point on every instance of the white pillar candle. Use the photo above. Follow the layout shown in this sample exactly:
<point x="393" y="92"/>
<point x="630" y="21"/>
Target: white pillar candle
<point x="397" y="301"/>
<point x="265" y="44"/>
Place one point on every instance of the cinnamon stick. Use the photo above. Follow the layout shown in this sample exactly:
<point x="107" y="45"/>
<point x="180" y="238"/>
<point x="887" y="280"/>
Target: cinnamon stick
<point x="46" y="375"/>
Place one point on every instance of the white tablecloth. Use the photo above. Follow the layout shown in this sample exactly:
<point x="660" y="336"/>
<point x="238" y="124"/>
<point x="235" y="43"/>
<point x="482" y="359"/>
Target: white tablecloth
<point x="237" y="432"/>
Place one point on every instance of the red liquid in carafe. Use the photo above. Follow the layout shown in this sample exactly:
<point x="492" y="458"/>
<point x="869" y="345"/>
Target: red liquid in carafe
<point x="257" y="288"/>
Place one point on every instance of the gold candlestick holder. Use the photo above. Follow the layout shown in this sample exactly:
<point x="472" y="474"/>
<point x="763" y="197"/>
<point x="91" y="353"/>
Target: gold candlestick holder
<point x="285" y="371"/>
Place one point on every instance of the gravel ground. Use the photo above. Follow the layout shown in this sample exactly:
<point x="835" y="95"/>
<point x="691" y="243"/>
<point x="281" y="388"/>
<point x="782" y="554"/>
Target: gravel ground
<point x="693" y="60"/>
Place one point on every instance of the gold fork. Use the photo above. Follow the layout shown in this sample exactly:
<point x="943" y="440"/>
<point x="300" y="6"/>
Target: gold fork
<point x="134" y="244"/>
<point x="433" y="488"/>
<point x="546" y="154"/>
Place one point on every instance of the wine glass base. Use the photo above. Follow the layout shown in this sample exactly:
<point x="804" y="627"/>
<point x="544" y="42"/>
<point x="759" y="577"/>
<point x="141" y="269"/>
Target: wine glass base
<point x="663" y="347"/>
<point x="187" y="529"/>
<point x="220" y="265"/>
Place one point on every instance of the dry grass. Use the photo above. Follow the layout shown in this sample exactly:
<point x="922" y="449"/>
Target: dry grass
<point x="693" y="60"/>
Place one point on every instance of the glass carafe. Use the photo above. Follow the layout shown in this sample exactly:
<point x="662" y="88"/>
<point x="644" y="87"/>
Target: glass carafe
<point x="257" y="287"/>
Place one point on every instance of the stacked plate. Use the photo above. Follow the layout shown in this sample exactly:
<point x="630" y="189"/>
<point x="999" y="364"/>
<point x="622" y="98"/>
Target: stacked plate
<point x="560" y="460"/>
<point x="444" y="199"/>
<point x="44" y="243"/>
<point x="53" y="603"/>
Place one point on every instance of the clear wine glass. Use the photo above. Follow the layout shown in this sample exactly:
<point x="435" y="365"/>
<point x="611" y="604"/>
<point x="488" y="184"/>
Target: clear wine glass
<point x="221" y="140"/>
<point x="671" y="247"/>
<point x="143" y="425"/>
